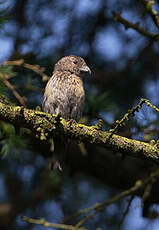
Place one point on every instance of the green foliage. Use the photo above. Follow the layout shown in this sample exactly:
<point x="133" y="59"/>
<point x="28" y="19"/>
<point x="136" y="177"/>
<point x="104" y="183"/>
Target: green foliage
<point x="3" y="19"/>
<point x="3" y="88"/>
<point x="98" y="102"/>
<point x="7" y="70"/>
<point x="12" y="144"/>
<point x="3" y="98"/>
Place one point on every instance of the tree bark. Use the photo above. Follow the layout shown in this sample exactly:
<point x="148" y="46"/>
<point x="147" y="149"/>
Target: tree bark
<point x="46" y="125"/>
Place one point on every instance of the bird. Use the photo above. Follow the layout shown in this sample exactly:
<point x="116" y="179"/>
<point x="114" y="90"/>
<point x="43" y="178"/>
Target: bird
<point x="65" y="95"/>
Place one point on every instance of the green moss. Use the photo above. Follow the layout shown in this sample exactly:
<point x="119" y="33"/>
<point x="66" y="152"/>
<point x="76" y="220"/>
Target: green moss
<point x="138" y="183"/>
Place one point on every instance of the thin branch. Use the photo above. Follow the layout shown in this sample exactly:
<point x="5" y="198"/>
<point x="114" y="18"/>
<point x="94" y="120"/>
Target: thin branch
<point x="126" y="212"/>
<point x="21" y="100"/>
<point x="36" y="68"/>
<point x="130" y="114"/>
<point x="127" y="117"/>
<point x="154" y="14"/>
<point x="135" y="26"/>
<point x="47" y="224"/>
<point x="147" y="192"/>
<point x="101" y="206"/>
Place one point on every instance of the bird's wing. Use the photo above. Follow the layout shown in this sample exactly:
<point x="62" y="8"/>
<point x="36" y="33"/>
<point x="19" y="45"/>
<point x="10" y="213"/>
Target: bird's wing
<point x="55" y="96"/>
<point x="64" y="94"/>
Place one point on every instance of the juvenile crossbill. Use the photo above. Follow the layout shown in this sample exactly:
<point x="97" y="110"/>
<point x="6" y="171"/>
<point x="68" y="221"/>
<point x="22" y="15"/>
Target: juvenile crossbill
<point x="64" y="94"/>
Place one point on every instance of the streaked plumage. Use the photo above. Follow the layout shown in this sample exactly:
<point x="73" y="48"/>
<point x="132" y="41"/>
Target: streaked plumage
<point x="64" y="92"/>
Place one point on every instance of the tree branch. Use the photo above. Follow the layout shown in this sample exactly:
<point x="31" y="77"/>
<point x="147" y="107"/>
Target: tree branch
<point x="36" y="68"/>
<point x="154" y="14"/>
<point x="98" y="207"/>
<point x="21" y="100"/>
<point x="45" y="125"/>
<point x="47" y="224"/>
<point x="135" y="26"/>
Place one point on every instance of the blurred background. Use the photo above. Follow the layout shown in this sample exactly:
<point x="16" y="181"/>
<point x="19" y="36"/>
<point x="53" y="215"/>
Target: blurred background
<point x="125" y="68"/>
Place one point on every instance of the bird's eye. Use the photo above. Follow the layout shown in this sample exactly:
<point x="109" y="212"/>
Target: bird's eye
<point x="75" y="62"/>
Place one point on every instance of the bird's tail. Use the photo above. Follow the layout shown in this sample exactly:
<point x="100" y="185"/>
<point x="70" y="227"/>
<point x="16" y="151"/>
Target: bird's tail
<point x="56" y="164"/>
<point x="59" y="152"/>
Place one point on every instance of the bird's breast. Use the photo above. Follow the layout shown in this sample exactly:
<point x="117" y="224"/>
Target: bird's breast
<point x="77" y="87"/>
<point x="67" y="86"/>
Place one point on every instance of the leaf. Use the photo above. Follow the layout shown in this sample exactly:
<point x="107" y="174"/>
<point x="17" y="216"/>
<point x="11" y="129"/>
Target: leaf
<point x="13" y="144"/>
<point x="7" y="70"/>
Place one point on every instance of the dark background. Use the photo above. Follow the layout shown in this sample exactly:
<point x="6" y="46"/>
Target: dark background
<point x="124" y="68"/>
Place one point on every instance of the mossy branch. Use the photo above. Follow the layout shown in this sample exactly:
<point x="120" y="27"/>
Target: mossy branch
<point x="149" y="8"/>
<point x="45" y="125"/>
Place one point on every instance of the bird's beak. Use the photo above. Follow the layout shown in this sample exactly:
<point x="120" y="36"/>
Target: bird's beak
<point x="85" y="69"/>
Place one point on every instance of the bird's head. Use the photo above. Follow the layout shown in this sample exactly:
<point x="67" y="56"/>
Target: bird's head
<point x="73" y="64"/>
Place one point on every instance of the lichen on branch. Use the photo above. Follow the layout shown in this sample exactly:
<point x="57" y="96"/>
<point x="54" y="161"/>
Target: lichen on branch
<point x="45" y="125"/>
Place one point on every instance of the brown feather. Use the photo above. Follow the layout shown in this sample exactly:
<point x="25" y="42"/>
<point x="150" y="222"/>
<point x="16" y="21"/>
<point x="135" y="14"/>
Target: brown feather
<point x="64" y="93"/>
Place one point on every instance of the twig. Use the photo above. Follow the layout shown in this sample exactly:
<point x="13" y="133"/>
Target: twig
<point x="147" y="192"/>
<point x="127" y="116"/>
<point x="101" y="206"/>
<point x="21" y="100"/>
<point x="126" y="212"/>
<point x="135" y="26"/>
<point x="154" y="14"/>
<point x="36" y="68"/>
<point x="130" y="114"/>
<point x="51" y="225"/>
